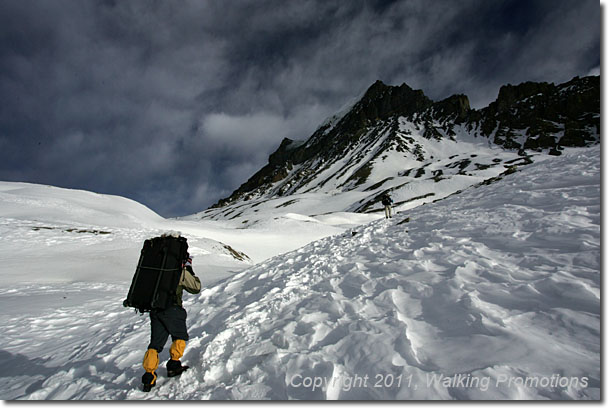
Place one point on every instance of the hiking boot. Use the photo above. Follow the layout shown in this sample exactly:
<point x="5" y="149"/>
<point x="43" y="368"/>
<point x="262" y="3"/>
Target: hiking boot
<point x="149" y="380"/>
<point x="175" y="368"/>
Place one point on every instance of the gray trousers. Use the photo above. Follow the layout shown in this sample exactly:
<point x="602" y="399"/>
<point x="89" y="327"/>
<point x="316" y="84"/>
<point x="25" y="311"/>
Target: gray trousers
<point x="163" y="323"/>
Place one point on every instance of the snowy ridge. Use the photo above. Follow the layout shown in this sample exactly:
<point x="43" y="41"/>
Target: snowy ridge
<point x="413" y="168"/>
<point x="71" y="206"/>
<point x="396" y="137"/>
<point x="497" y="282"/>
<point x="331" y="121"/>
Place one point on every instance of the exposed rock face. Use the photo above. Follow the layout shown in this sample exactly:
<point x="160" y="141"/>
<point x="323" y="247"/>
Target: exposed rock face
<point x="382" y="101"/>
<point x="543" y="116"/>
<point x="528" y="116"/>
<point x="456" y="107"/>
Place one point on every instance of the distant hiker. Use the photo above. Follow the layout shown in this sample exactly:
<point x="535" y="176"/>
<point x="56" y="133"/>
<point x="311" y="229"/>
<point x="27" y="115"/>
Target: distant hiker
<point x="387" y="203"/>
<point x="166" y="322"/>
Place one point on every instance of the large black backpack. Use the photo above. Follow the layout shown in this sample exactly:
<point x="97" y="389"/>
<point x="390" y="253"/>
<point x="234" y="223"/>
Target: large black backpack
<point x="154" y="284"/>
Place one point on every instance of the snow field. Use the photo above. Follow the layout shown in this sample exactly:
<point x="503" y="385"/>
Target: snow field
<point x="500" y="284"/>
<point x="493" y="293"/>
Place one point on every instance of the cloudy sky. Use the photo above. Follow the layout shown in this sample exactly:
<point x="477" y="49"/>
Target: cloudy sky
<point x="176" y="103"/>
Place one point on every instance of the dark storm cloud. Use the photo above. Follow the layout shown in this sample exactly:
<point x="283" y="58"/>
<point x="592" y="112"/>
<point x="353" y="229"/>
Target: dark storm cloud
<point x="175" y="103"/>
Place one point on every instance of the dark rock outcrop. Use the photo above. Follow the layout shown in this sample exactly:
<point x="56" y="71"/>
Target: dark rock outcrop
<point x="547" y="116"/>
<point x="456" y="107"/>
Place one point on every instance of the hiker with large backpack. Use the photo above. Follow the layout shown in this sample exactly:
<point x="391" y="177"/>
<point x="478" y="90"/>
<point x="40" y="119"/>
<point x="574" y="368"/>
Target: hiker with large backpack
<point x="164" y="272"/>
<point x="387" y="202"/>
<point x="166" y="322"/>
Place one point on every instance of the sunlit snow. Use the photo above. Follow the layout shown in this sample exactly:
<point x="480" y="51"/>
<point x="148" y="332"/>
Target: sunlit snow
<point x="491" y="293"/>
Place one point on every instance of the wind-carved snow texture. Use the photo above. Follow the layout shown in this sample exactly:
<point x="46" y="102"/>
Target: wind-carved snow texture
<point x="493" y="293"/>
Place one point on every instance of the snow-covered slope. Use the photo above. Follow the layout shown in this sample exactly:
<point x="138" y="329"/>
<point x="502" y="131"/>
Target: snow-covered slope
<point x="492" y="293"/>
<point x="430" y="170"/>
<point x="323" y="195"/>
<point x="45" y="203"/>
<point x="396" y="140"/>
<point x="52" y="234"/>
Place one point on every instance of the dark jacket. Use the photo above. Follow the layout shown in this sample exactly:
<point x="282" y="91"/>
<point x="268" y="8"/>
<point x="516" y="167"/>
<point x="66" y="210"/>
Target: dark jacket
<point x="386" y="200"/>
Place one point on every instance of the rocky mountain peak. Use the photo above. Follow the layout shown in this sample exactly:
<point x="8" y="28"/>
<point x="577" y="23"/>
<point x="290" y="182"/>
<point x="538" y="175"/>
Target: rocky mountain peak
<point x="403" y="124"/>
<point x="382" y="101"/>
<point x="541" y="116"/>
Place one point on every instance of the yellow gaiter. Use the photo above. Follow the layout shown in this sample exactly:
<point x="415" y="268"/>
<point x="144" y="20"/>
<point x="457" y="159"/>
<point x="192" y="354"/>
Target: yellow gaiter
<point x="177" y="349"/>
<point x="151" y="360"/>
